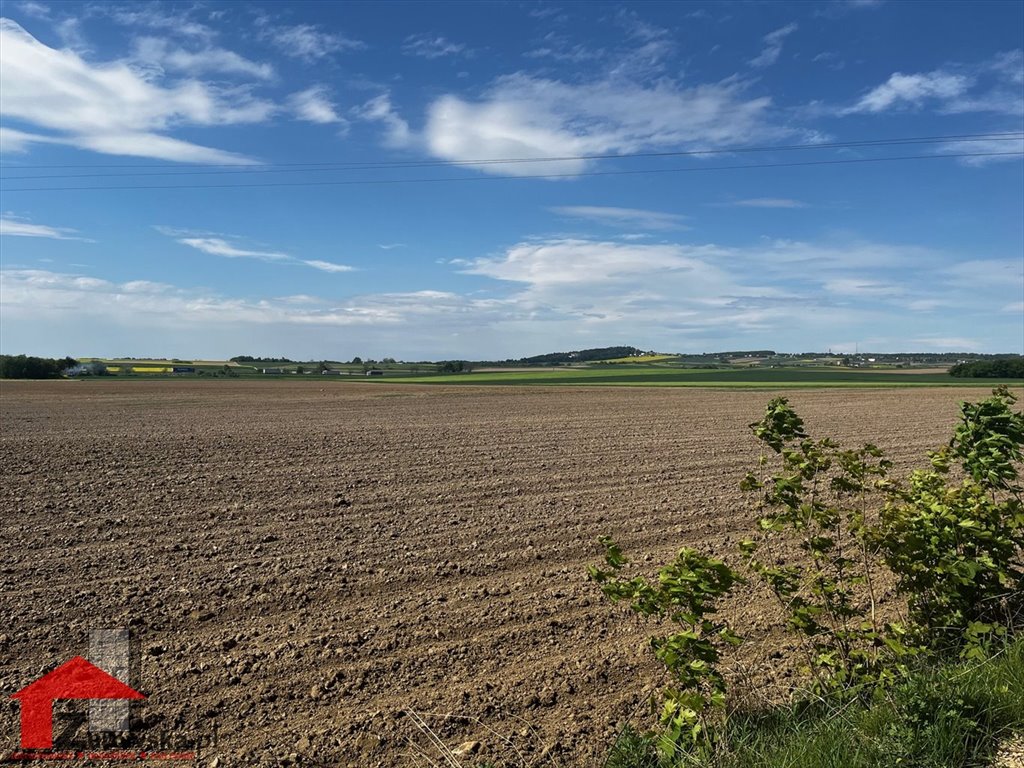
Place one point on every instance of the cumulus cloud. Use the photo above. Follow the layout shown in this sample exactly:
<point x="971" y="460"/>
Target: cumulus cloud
<point x="111" y="108"/>
<point x="773" y="42"/>
<point x="143" y="301"/>
<point x="631" y="217"/>
<point x="559" y="293"/>
<point x="17" y="227"/>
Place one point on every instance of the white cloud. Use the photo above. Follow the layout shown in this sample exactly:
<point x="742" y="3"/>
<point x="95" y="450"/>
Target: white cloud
<point x="380" y="110"/>
<point x="989" y="86"/>
<point x="773" y="42"/>
<point x="526" y="117"/>
<point x="634" y="217"/>
<point x="306" y="41"/>
<point x="328" y="266"/>
<point x="159" y="52"/>
<point x="19" y="228"/>
<point x="914" y="90"/>
<point x="986" y="146"/>
<point x="949" y="343"/>
<point x="35" y="10"/>
<point x="314" y="105"/>
<point x="428" y="47"/>
<point x="218" y="247"/>
<point x="109" y="107"/>
<point x="547" y="294"/>
<point x="12" y="140"/>
<point x="1009" y="65"/>
<point x="151" y="16"/>
<point x="862" y="287"/>
<point x="581" y="262"/>
<point x="768" y="202"/>
<point x="987" y="274"/>
<point x="144" y="303"/>
<point x="559" y="48"/>
<point x="926" y="305"/>
<point x="639" y="29"/>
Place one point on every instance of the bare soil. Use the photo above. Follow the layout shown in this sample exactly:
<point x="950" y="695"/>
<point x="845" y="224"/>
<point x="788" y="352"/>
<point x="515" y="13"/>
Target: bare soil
<point x="303" y="564"/>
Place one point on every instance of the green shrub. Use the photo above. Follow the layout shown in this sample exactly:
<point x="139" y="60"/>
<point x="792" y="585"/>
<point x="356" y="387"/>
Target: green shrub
<point x="955" y="547"/>
<point x="685" y="594"/>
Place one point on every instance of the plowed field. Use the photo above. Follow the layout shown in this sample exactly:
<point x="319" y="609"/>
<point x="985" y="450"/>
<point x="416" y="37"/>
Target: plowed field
<point x="303" y="563"/>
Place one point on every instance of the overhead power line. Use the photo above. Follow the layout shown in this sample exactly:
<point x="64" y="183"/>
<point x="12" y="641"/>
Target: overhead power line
<point x="434" y="180"/>
<point x="327" y="165"/>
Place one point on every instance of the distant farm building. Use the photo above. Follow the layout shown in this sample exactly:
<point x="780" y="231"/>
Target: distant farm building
<point x="183" y="369"/>
<point x="332" y="372"/>
<point x="271" y="370"/>
<point x="374" y="372"/>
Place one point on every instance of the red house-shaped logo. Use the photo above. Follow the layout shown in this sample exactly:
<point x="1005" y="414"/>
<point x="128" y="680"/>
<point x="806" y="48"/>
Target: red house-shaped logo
<point x="74" y="679"/>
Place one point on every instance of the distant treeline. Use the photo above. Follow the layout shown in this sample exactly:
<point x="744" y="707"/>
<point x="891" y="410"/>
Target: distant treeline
<point x="990" y="369"/>
<point x="582" y="355"/>
<point x="250" y="359"/>
<point x="25" y="367"/>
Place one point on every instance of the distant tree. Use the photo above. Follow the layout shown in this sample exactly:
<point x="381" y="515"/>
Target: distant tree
<point x="299" y="369"/>
<point x="357" y="361"/>
<point x="27" y="367"/>
<point x="1005" y="368"/>
<point x="454" y="366"/>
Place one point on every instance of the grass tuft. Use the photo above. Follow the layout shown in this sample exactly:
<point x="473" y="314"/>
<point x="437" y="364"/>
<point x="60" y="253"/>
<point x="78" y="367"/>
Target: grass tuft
<point x="950" y="716"/>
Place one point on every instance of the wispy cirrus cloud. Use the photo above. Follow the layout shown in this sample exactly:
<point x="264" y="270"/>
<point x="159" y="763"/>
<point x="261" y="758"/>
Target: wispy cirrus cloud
<point x="773" y="43"/>
<point x="160" y="52"/>
<point x="216" y="246"/>
<point x="153" y="16"/>
<point x="989" y="86"/>
<point x="34" y="9"/>
<point x="432" y="47"/>
<point x="219" y="246"/>
<point x="623" y="217"/>
<point x="767" y="202"/>
<point x="315" y="105"/>
<point x="991" y="151"/>
<point x="18" y="227"/>
<point x="523" y="116"/>
<point x="308" y="42"/>
<point x="328" y="266"/>
<point x="110" y="108"/>
<point x="380" y="110"/>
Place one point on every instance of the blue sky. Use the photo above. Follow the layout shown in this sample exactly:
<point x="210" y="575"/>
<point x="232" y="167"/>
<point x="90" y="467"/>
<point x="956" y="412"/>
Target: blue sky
<point x="320" y="259"/>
